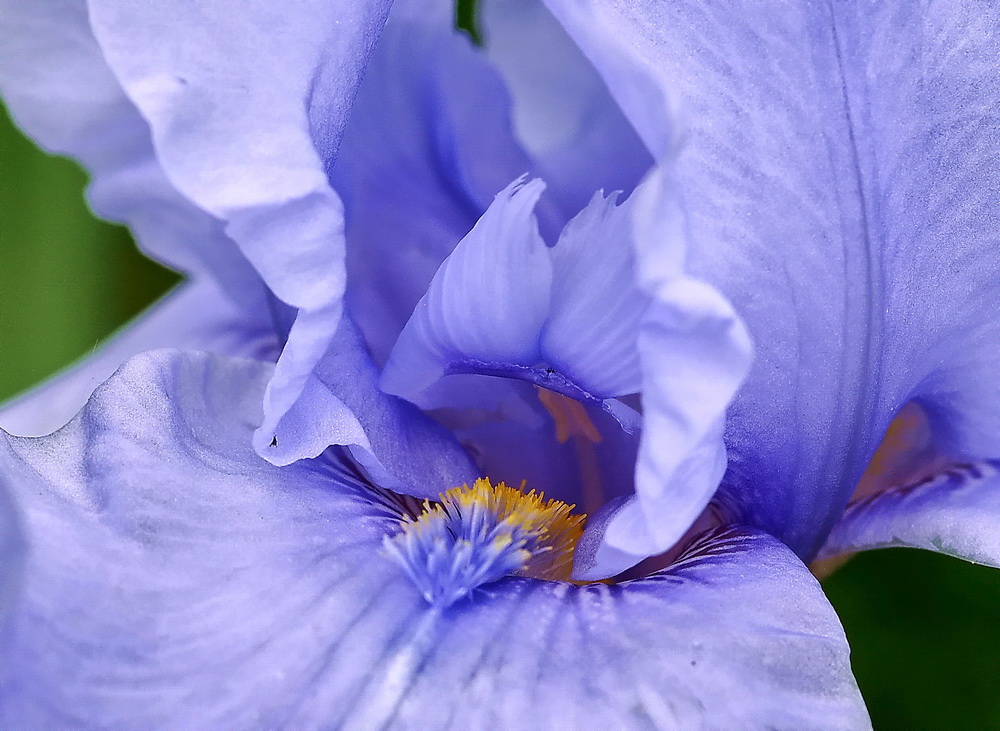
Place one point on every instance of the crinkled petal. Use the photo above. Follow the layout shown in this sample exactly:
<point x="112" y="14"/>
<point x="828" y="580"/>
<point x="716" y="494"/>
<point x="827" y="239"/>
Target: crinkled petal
<point x="58" y="86"/>
<point x="592" y="331"/>
<point x="428" y="145"/>
<point x="247" y="106"/>
<point x="208" y="587"/>
<point x="195" y="316"/>
<point x="841" y="188"/>
<point x="956" y="511"/>
<point x="486" y="303"/>
<point x="565" y="117"/>
<point x="694" y="353"/>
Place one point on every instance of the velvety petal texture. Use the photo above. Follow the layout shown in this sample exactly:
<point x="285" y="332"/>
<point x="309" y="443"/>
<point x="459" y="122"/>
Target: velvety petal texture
<point x="245" y="105"/>
<point x="298" y="619"/>
<point x="840" y="186"/>
<point x="196" y="316"/>
<point x="956" y="511"/>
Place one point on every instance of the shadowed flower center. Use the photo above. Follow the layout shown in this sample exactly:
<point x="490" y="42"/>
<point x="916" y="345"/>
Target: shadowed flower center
<point x="478" y="534"/>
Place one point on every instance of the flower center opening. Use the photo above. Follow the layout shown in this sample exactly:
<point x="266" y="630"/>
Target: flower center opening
<point x="478" y="534"/>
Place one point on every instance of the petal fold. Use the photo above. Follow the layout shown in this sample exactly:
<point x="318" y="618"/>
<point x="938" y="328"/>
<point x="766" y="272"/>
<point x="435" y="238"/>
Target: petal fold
<point x="486" y="303"/>
<point x="59" y="88"/>
<point x="247" y="107"/>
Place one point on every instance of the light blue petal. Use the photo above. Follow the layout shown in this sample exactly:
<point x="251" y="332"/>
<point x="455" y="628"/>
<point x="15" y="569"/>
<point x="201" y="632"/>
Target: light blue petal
<point x="956" y="511"/>
<point x="208" y="587"/>
<point x="565" y="117"/>
<point x="399" y="447"/>
<point x="840" y="186"/>
<point x="486" y="303"/>
<point x="694" y="353"/>
<point x="12" y="550"/>
<point x="195" y="316"/>
<point x="593" y="328"/>
<point x="58" y="86"/>
<point x="427" y="147"/>
<point x="618" y="295"/>
<point x="738" y="635"/>
<point x="247" y="106"/>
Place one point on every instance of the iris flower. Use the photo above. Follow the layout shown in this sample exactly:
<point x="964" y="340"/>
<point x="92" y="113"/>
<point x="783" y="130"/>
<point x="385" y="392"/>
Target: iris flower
<point x="682" y="267"/>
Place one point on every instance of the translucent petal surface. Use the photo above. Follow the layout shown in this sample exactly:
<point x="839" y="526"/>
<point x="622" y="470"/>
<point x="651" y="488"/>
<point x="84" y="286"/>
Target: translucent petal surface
<point x="486" y="303"/>
<point x="207" y="586"/>
<point x="840" y="187"/>
<point x="577" y="135"/>
<point x="593" y="329"/>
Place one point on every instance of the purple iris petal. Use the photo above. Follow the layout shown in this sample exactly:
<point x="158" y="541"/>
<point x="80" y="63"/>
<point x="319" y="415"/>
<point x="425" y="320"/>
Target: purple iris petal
<point x="564" y="116"/>
<point x="12" y="550"/>
<point x="609" y="306"/>
<point x="954" y="511"/>
<point x="838" y="187"/>
<point x="209" y="80"/>
<point x="207" y="586"/>
<point x="427" y="147"/>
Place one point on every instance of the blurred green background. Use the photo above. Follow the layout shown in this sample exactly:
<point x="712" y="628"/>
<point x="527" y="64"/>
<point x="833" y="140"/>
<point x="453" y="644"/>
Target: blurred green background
<point x="925" y="629"/>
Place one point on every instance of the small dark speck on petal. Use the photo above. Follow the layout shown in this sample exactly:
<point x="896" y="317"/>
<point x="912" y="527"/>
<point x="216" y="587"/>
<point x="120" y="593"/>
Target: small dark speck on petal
<point x="274" y="441"/>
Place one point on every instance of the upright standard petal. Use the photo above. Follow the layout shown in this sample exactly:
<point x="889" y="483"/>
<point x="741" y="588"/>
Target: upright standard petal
<point x="428" y="145"/>
<point x="486" y="303"/>
<point x="247" y="106"/>
<point x="575" y="132"/>
<point x="248" y="595"/>
<point x="607" y="309"/>
<point x="839" y="188"/>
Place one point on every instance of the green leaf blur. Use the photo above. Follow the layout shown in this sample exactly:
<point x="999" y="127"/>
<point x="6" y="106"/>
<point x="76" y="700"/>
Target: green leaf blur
<point x="66" y="279"/>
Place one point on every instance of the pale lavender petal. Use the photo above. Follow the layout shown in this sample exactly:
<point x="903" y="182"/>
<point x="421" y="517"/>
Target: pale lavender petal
<point x="399" y="447"/>
<point x="12" y="550"/>
<point x="694" y="353"/>
<point x="486" y="303"/>
<point x="247" y="106"/>
<point x="592" y="332"/>
<point x="212" y="588"/>
<point x="956" y="511"/>
<point x="428" y="145"/>
<point x="575" y="131"/>
<point x="840" y="186"/>
<point x="195" y="316"/>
